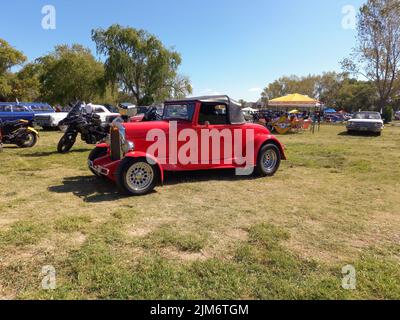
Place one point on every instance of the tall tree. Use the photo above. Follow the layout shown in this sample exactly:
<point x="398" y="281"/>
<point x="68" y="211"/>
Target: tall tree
<point x="70" y="73"/>
<point x="26" y="83"/>
<point x="140" y="64"/>
<point x="9" y="57"/>
<point x="354" y="95"/>
<point x="328" y="86"/>
<point x="377" y="54"/>
<point x="291" y="84"/>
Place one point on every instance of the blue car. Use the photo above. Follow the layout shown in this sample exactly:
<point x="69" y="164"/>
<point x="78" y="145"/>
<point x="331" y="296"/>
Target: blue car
<point x="10" y="111"/>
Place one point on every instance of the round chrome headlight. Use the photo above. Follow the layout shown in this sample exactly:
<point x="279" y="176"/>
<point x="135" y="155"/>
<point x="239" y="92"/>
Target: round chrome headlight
<point x="128" y="146"/>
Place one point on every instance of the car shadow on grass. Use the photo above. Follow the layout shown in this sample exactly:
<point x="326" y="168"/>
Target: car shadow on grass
<point x="181" y="177"/>
<point x="10" y="146"/>
<point x="89" y="188"/>
<point x="50" y="153"/>
<point x="359" y="134"/>
<point x="92" y="189"/>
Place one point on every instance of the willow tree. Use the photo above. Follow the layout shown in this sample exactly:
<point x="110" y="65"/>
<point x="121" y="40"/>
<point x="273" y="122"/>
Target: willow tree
<point x="140" y="64"/>
<point x="377" y="54"/>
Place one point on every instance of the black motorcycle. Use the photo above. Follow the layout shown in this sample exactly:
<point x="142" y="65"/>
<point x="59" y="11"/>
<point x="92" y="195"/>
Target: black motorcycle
<point x="19" y="133"/>
<point x="88" y="125"/>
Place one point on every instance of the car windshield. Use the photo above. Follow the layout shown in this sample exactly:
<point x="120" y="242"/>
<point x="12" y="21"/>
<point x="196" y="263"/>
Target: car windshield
<point x="111" y="108"/>
<point x="19" y="108"/>
<point x="41" y="108"/>
<point x="178" y="112"/>
<point x="367" y="116"/>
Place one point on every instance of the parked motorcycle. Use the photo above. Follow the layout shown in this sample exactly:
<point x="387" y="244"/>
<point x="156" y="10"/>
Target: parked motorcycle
<point x="87" y="124"/>
<point x="19" y="133"/>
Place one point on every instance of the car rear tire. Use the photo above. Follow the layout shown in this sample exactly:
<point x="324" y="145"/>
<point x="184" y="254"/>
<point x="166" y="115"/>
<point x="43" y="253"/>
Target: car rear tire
<point x="268" y="160"/>
<point x="96" y="153"/>
<point x="136" y="177"/>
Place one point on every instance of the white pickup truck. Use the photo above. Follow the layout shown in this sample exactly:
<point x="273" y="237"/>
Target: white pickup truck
<point x="51" y="120"/>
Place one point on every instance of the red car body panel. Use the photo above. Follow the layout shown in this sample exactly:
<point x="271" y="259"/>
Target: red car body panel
<point x="137" y="133"/>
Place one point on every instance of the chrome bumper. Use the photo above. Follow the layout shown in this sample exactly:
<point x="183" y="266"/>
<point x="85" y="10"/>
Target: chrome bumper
<point x="99" y="169"/>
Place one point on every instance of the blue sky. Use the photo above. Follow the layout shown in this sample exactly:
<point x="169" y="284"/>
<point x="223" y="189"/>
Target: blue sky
<point x="233" y="47"/>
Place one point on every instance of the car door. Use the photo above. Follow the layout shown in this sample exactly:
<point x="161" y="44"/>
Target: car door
<point x="6" y="113"/>
<point x="179" y="136"/>
<point x="21" y="112"/>
<point x="215" y="135"/>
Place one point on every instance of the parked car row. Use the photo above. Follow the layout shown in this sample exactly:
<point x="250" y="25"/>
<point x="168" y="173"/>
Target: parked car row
<point x="52" y="119"/>
<point x="123" y="149"/>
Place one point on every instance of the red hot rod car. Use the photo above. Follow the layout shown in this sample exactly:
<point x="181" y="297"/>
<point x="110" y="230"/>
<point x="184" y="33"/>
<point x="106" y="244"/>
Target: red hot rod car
<point x="194" y="134"/>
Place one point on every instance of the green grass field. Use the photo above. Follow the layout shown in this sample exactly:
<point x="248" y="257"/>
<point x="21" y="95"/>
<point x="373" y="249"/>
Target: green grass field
<point x="206" y="235"/>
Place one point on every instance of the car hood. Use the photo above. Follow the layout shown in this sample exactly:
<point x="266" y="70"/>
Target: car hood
<point x="53" y="114"/>
<point x="366" y="120"/>
<point x="140" y="129"/>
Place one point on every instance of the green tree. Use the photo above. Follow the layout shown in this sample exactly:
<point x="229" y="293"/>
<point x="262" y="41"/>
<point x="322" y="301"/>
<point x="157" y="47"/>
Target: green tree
<point x="377" y="54"/>
<point x="354" y="95"/>
<point x="26" y="83"/>
<point x="140" y="64"/>
<point x="334" y="89"/>
<point x="291" y="84"/>
<point x="70" y="73"/>
<point x="328" y="86"/>
<point x="9" y="57"/>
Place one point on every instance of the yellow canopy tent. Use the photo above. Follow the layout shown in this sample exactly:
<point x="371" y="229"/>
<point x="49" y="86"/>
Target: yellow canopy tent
<point x="295" y="100"/>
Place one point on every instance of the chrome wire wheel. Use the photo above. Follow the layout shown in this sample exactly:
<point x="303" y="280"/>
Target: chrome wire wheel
<point x="269" y="160"/>
<point x="139" y="176"/>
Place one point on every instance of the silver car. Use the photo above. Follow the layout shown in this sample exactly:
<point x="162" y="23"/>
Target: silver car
<point x="365" y="121"/>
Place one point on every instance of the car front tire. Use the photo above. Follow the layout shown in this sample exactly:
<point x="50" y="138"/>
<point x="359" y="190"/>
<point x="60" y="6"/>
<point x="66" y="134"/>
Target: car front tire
<point x="136" y="177"/>
<point x="268" y="161"/>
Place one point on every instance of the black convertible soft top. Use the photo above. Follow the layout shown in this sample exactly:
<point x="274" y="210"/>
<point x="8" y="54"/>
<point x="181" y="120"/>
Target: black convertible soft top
<point x="234" y="108"/>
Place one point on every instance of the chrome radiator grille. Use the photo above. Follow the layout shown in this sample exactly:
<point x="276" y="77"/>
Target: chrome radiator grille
<point x="115" y="144"/>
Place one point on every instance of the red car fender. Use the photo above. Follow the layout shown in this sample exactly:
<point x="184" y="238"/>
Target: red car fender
<point x="102" y="145"/>
<point x="271" y="139"/>
<point x="141" y="154"/>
